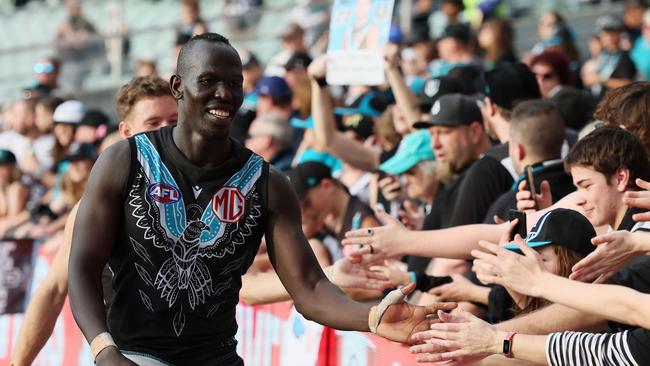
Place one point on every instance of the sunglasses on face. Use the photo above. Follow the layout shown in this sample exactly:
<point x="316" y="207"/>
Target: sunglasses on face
<point x="547" y="76"/>
<point x="43" y="68"/>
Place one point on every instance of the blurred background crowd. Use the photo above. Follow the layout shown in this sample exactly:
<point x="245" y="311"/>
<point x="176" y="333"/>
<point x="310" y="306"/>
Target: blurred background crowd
<point x="475" y="92"/>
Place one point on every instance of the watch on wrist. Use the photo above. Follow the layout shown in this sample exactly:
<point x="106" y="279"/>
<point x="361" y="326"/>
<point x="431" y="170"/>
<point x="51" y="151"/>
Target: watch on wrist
<point x="507" y="344"/>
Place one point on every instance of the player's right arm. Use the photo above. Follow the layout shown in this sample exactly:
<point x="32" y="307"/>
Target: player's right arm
<point x="46" y="303"/>
<point x="97" y="223"/>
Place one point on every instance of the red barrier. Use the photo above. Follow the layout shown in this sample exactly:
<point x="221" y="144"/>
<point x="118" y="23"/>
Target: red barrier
<point x="269" y="335"/>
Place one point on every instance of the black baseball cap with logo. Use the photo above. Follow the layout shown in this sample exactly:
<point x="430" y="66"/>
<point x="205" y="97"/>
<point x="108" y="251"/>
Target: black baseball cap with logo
<point x="563" y="227"/>
<point x="308" y="175"/>
<point x="436" y="88"/>
<point x="453" y="110"/>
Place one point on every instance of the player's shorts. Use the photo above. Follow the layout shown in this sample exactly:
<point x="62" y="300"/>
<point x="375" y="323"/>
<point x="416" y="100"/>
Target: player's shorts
<point x="229" y="359"/>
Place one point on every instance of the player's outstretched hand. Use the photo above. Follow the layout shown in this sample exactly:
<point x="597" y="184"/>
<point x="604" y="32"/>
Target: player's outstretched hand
<point x="401" y="320"/>
<point x="639" y="199"/>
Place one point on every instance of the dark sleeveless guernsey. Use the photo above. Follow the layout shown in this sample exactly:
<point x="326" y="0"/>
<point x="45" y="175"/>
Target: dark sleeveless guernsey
<point x="186" y="237"/>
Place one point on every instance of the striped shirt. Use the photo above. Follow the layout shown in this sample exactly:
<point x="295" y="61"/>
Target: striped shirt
<point x="573" y="348"/>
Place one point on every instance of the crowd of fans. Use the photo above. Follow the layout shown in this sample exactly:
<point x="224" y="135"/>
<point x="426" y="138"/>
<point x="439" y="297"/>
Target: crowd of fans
<point x="406" y="179"/>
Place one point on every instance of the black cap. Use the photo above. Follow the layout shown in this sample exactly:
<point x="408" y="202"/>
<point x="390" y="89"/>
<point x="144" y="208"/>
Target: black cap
<point x="299" y="60"/>
<point x="81" y="151"/>
<point x="436" y="88"/>
<point x="360" y="124"/>
<point x="7" y="157"/>
<point x="453" y="110"/>
<point x="457" y="31"/>
<point x="95" y="118"/>
<point x="467" y="76"/>
<point x="509" y="84"/>
<point x="563" y="227"/>
<point x="308" y="175"/>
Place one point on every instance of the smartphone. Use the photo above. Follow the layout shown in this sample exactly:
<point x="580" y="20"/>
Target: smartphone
<point x="530" y="182"/>
<point x="521" y="225"/>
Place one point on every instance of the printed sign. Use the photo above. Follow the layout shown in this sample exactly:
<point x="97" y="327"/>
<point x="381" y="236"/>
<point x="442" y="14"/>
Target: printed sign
<point x="358" y="32"/>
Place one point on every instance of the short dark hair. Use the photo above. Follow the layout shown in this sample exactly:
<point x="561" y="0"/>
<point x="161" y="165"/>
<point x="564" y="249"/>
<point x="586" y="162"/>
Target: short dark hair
<point x="139" y="88"/>
<point x="539" y="126"/>
<point x="182" y="63"/>
<point x="609" y="148"/>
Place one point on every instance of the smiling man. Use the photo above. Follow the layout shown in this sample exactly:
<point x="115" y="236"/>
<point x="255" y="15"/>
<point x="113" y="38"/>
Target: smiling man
<point x="604" y="165"/>
<point x="178" y="214"/>
<point x="144" y="104"/>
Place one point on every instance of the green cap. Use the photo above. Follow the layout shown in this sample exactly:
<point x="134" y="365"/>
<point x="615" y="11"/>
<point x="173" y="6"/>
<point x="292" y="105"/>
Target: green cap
<point x="413" y="148"/>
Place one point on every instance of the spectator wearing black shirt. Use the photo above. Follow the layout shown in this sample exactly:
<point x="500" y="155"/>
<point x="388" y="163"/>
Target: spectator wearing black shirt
<point x="493" y="174"/>
<point x="551" y="68"/>
<point x="536" y="136"/>
<point x="604" y="166"/>
<point x="458" y="140"/>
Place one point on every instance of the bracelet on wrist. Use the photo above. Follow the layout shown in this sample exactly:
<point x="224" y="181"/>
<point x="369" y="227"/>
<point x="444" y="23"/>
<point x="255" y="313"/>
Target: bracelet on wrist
<point x="507" y="344"/>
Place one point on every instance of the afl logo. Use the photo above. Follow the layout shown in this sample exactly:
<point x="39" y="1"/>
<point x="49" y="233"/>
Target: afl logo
<point x="164" y="193"/>
<point x="228" y="204"/>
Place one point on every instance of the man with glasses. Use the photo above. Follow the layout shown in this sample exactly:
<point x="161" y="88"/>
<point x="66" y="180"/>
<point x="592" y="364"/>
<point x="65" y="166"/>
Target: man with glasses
<point x="47" y="78"/>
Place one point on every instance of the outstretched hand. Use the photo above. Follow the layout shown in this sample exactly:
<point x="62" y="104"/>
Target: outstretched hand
<point x="639" y="199"/>
<point x="521" y="273"/>
<point x="344" y="273"/>
<point x="402" y="320"/>
<point x="613" y="251"/>
<point x="459" y="337"/>
<point x="378" y="243"/>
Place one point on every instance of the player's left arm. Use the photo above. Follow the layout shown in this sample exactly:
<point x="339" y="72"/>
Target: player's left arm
<point x="296" y="265"/>
<point x="317" y="298"/>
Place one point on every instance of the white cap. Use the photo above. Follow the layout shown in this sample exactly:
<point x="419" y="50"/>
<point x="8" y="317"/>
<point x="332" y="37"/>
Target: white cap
<point x="71" y="111"/>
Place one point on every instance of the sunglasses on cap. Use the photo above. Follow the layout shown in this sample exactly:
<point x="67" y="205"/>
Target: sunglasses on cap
<point x="43" y="68"/>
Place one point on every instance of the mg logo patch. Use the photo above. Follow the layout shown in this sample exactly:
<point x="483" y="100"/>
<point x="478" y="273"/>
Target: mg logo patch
<point x="164" y="193"/>
<point x="228" y="204"/>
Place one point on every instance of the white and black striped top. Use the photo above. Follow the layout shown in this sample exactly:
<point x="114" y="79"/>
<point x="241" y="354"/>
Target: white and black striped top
<point x="628" y="348"/>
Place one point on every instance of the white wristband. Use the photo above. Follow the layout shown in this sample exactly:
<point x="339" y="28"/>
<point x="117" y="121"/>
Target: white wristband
<point x="101" y="342"/>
